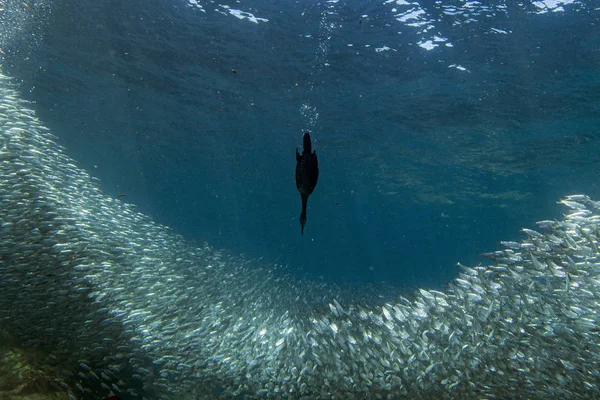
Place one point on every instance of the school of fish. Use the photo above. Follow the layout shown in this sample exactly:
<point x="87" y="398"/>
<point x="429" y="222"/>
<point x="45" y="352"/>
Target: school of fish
<point x="123" y="306"/>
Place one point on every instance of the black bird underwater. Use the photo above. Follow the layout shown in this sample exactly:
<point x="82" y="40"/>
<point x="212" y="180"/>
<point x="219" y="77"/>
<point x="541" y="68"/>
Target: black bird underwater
<point x="307" y="174"/>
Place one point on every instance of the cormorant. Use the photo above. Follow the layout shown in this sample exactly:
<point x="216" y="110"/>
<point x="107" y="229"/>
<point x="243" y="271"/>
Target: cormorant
<point x="307" y="173"/>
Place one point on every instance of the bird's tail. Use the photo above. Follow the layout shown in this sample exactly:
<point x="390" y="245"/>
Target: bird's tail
<point x="306" y="143"/>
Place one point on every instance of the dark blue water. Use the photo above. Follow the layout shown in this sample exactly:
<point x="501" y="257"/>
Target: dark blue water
<point x="427" y="157"/>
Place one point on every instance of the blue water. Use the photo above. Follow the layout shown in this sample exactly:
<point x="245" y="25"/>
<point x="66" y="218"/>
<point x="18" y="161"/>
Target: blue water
<point x="428" y="156"/>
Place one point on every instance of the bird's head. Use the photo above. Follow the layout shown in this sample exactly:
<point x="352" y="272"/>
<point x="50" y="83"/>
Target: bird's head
<point x="302" y="222"/>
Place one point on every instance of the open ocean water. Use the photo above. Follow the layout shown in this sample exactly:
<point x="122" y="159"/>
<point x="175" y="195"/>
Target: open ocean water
<point x="441" y="127"/>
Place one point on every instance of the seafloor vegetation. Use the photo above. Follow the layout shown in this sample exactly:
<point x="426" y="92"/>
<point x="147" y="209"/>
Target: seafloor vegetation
<point x="25" y="375"/>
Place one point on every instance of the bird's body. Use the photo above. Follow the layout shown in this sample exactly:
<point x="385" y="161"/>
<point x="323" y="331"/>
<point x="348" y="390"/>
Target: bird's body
<point x="307" y="174"/>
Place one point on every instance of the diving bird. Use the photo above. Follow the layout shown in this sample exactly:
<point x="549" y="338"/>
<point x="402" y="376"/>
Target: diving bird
<point x="307" y="173"/>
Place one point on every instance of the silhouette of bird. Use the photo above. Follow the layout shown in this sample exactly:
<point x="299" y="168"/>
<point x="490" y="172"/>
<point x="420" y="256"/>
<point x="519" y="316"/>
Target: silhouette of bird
<point x="307" y="174"/>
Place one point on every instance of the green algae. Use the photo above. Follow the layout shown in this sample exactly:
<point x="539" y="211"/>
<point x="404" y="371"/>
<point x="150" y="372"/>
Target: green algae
<point x="24" y="377"/>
